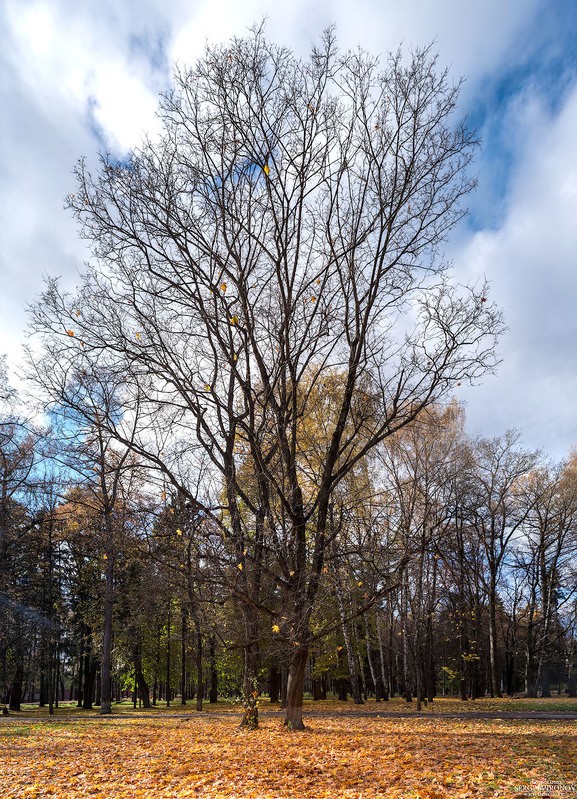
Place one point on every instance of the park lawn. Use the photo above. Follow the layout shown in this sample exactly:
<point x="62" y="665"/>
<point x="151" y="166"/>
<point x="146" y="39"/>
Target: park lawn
<point x="444" y="705"/>
<point x="449" y="705"/>
<point x="356" y="758"/>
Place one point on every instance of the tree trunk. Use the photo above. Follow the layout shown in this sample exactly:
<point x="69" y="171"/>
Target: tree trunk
<point x="530" y="681"/>
<point x="17" y="682"/>
<point x="42" y="695"/>
<point x="295" y="688"/>
<point x="351" y="659"/>
<point x="140" y="682"/>
<point x="370" y="659"/>
<point x="80" y="676"/>
<point x="168" y="697"/>
<point x="493" y="659"/>
<point x="199" y="674"/>
<point x="283" y="685"/>
<point x="249" y="686"/>
<point x="510" y="672"/>
<point x="89" y="671"/>
<point x="418" y="669"/>
<point x="545" y="681"/>
<point x="382" y="663"/>
<point x="406" y="678"/>
<point x="274" y="684"/>
<point x="317" y="688"/>
<point x="183" y="658"/>
<point x="213" y="694"/>
<point x="97" y="683"/>
<point x="106" y="670"/>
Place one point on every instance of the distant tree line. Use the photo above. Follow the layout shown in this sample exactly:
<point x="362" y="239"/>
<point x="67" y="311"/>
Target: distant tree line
<point x="451" y="571"/>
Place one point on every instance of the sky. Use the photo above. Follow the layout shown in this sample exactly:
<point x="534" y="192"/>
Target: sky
<point x="77" y="78"/>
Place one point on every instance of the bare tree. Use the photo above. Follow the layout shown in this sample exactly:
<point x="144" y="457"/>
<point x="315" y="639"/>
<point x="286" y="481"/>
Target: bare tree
<point x="497" y="514"/>
<point x="84" y="403"/>
<point x="542" y="559"/>
<point x="286" y="226"/>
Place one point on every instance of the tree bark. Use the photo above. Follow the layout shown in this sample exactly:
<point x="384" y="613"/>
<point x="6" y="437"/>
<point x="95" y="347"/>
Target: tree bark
<point x="17" y="682"/>
<point x="213" y="694"/>
<point x="89" y="670"/>
<point x="495" y="687"/>
<point x="295" y="687"/>
<point x="168" y="676"/>
<point x="351" y="659"/>
<point x="199" y="673"/>
<point x="370" y="660"/>
<point x="183" y="658"/>
<point x="143" y="690"/>
<point x="249" y="686"/>
<point x="273" y="684"/>
<point x="80" y="676"/>
<point x="382" y="663"/>
<point x="106" y="680"/>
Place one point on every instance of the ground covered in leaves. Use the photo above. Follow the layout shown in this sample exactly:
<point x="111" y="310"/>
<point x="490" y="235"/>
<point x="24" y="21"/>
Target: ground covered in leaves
<point x="354" y="758"/>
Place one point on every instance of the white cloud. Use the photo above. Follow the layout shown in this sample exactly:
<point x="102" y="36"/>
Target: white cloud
<point x="81" y="64"/>
<point x="531" y="262"/>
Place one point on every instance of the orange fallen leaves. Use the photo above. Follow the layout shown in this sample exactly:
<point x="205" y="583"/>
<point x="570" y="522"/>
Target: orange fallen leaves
<point x="339" y="757"/>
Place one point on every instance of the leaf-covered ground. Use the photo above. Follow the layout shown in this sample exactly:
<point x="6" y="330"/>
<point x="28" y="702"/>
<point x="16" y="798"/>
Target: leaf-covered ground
<point x="356" y="758"/>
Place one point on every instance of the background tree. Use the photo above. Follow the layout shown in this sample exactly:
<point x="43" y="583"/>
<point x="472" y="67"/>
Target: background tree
<point x="497" y="513"/>
<point x="22" y="545"/>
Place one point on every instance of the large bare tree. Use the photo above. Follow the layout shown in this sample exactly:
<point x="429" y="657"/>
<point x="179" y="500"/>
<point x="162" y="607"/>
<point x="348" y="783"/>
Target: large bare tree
<point x="286" y="227"/>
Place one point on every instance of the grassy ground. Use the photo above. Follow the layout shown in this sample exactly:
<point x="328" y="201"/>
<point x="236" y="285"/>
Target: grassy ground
<point x="444" y="705"/>
<point x="338" y="757"/>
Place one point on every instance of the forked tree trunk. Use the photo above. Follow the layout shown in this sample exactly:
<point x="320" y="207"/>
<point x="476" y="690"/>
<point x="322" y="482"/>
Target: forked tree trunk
<point x="295" y="688"/>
